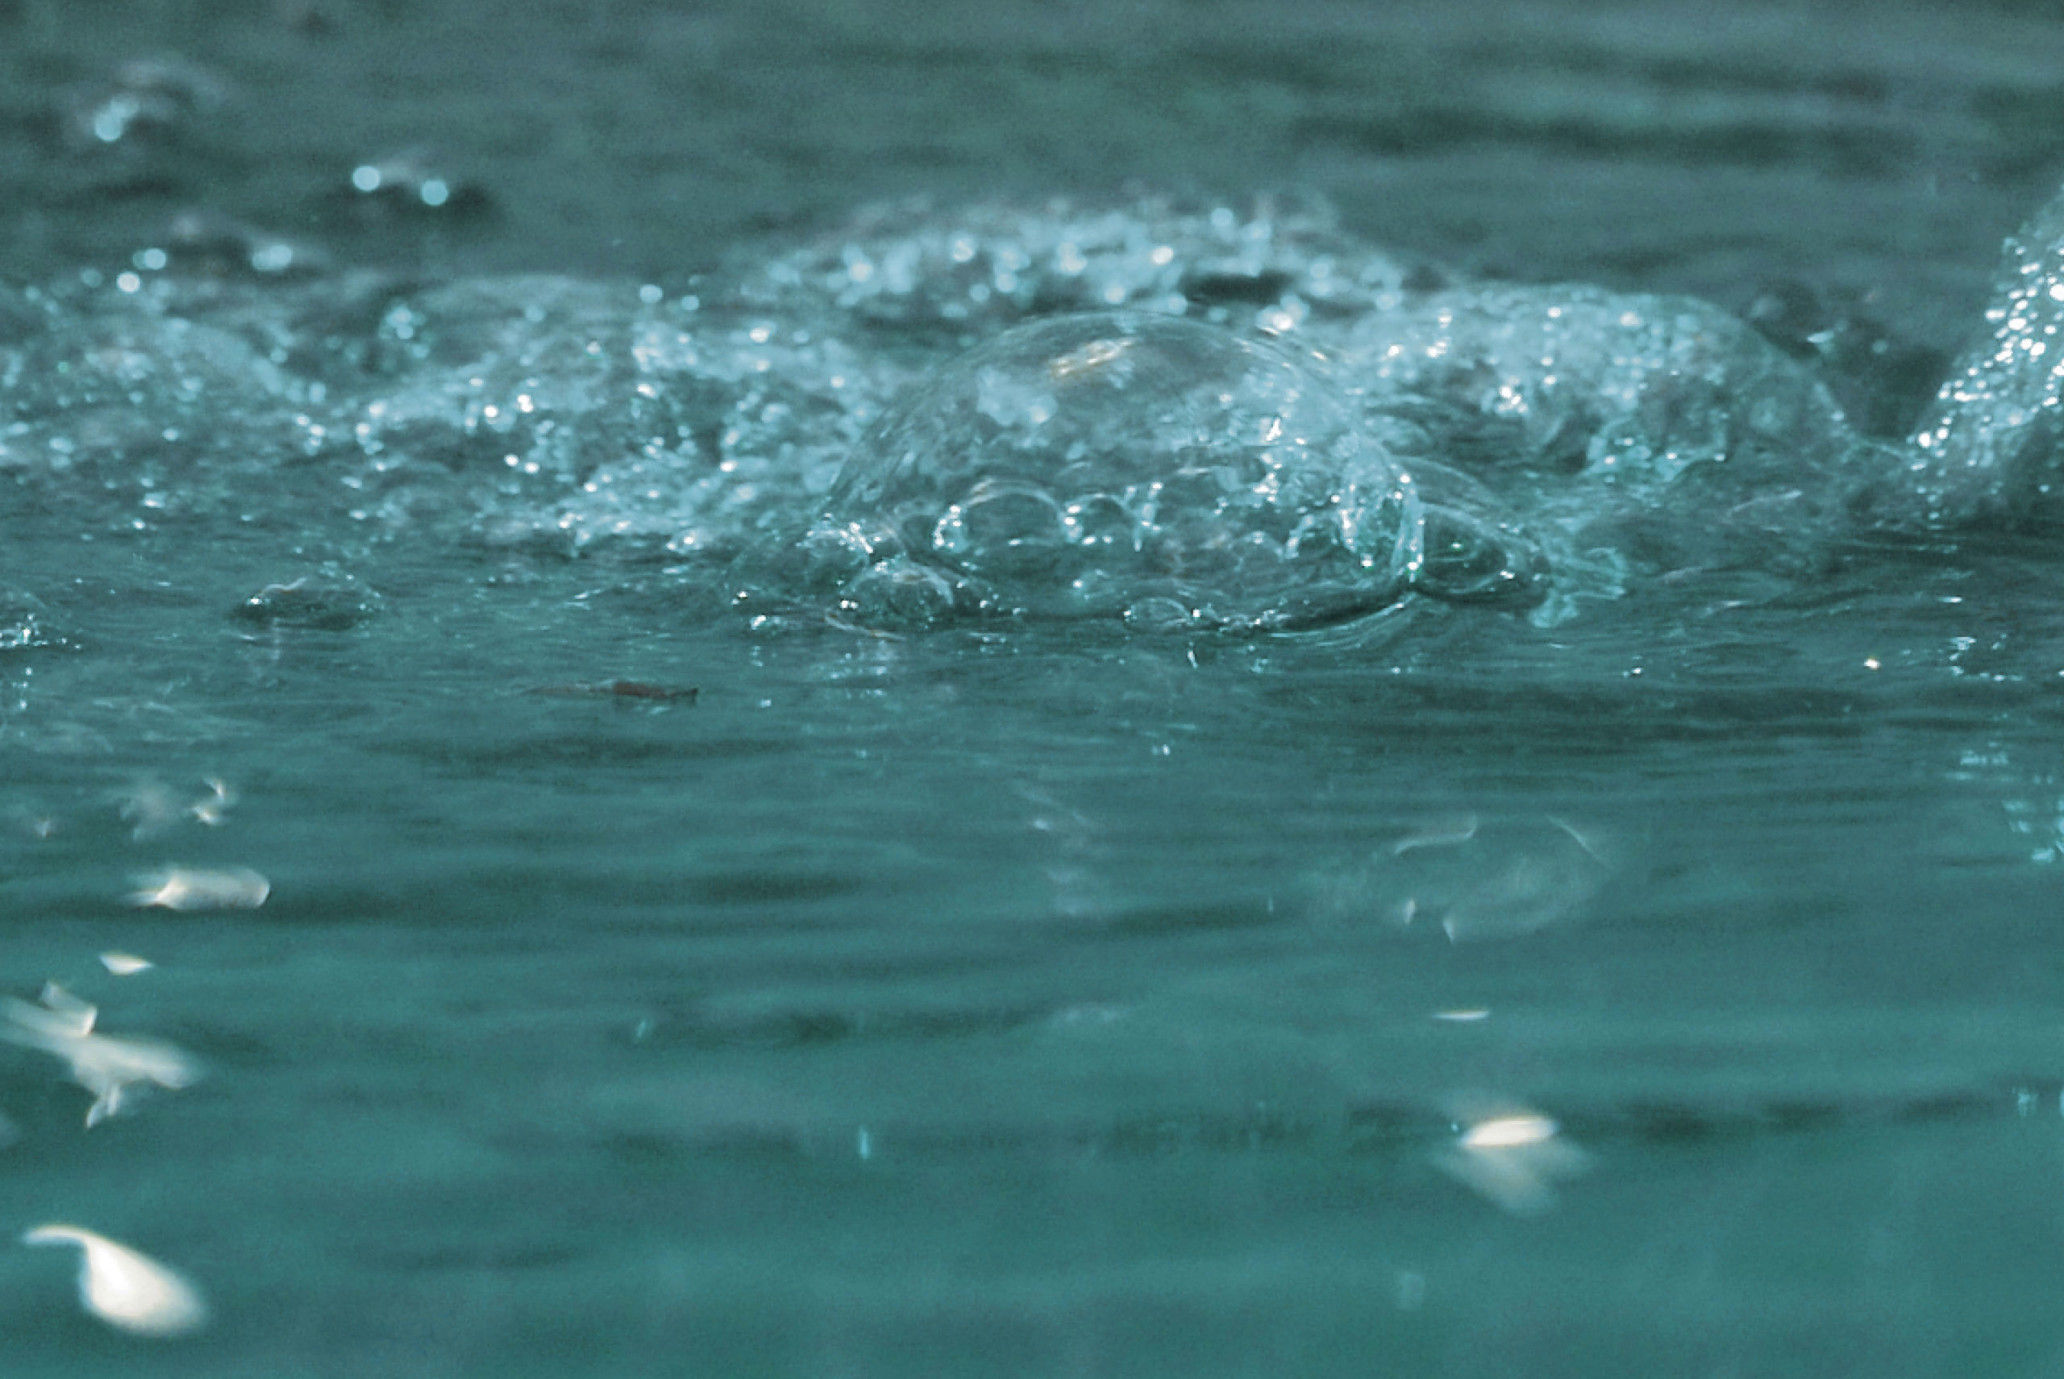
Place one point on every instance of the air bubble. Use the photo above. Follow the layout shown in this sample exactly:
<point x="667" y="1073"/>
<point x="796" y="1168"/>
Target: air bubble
<point x="1114" y="461"/>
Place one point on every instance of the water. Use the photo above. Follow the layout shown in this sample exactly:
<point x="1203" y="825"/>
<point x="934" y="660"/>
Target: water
<point x="1426" y="742"/>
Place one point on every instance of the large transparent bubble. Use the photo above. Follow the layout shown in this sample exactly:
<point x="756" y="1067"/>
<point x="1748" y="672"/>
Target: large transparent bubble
<point x="1122" y="463"/>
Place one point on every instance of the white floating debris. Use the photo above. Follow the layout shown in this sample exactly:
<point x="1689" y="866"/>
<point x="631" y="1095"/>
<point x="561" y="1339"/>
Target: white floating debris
<point x="1509" y="1132"/>
<point x="1463" y="1017"/>
<point x="1587" y="839"/>
<point x="1513" y="1158"/>
<point x="125" y="1288"/>
<point x="1443" y="833"/>
<point x="151" y="807"/>
<point x="125" y="964"/>
<point x="77" y="1015"/>
<point x="104" y="1065"/>
<point x="238" y="888"/>
<point x="213" y="807"/>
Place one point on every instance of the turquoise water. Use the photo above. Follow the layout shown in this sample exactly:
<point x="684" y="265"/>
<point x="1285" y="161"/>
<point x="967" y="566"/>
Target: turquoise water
<point x="1349" y="761"/>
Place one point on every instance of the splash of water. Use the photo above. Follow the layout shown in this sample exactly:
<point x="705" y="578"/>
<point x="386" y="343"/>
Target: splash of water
<point x="1002" y="411"/>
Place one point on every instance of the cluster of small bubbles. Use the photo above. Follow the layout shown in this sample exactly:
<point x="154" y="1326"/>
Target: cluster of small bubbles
<point x="592" y="413"/>
<point x="1992" y="444"/>
<point x="1105" y="449"/>
<point x="1586" y="410"/>
<point x="1120" y="464"/>
<point x="1580" y="406"/>
<point x="743" y="420"/>
<point x="991" y="266"/>
<point x="22" y="624"/>
<point x="106" y="390"/>
<point x="520" y="405"/>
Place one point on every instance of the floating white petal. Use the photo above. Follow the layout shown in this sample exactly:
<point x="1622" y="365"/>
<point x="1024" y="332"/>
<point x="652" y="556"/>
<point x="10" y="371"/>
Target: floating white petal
<point x="213" y="807"/>
<point x="1508" y="1132"/>
<point x="105" y="1066"/>
<point x="125" y="1288"/>
<point x="238" y="888"/>
<point x="1599" y="849"/>
<point x="125" y="964"/>
<point x="67" y="1013"/>
<point x="1514" y="1158"/>
<point x="1442" y="833"/>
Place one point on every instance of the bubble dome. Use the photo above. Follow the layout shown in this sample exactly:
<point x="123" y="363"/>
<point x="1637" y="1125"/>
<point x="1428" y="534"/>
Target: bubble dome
<point x="1121" y="463"/>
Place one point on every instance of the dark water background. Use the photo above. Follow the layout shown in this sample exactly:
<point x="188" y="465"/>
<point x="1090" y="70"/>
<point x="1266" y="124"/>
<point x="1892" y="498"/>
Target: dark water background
<point x="1045" y="1000"/>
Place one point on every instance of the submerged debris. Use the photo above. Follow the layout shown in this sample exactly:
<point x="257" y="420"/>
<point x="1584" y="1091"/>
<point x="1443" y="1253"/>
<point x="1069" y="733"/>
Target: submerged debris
<point x="624" y="689"/>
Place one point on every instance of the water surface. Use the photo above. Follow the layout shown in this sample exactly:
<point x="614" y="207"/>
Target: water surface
<point x="1610" y="931"/>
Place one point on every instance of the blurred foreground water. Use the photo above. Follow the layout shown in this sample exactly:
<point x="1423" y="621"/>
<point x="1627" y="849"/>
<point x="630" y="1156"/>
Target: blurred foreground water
<point x="1380" y="694"/>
